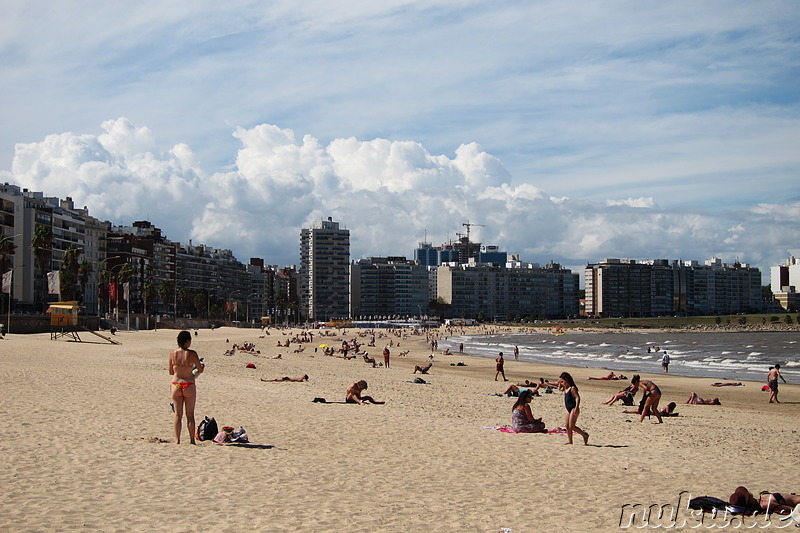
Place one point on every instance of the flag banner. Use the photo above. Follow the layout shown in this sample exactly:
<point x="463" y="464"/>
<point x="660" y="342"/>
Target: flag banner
<point x="126" y="291"/>
<point x="227" y="307"/>
<point x="54" y="282"/>
<point x="112" y="293"/>
<point x="235" y="307"/>
<point x="7" y="281"/>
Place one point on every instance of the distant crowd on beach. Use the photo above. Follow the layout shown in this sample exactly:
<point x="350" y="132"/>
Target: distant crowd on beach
<point x="185" y="365"/>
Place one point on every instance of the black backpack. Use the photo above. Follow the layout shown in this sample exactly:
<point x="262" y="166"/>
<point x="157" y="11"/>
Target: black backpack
<point x="207" y="429"/>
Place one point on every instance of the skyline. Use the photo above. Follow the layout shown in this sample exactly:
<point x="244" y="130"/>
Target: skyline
<point x="636" y="131"/>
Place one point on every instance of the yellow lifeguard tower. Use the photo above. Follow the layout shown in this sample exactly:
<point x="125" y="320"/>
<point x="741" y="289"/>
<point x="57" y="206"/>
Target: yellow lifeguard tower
<point x="64" y="322"/>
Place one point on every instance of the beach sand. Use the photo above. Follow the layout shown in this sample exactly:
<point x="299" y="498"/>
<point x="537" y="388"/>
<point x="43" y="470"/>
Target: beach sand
<point x="88" y="442"/>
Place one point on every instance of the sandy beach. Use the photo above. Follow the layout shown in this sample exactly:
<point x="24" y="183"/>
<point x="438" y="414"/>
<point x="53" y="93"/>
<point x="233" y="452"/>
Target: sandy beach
<point x="88" y="443"/>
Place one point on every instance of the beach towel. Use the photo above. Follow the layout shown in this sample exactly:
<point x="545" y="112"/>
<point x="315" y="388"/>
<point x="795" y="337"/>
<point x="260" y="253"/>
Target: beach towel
<point x="506" y="429"/>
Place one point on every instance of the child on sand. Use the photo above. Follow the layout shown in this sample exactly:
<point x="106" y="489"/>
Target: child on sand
<point x="572" y="401"/>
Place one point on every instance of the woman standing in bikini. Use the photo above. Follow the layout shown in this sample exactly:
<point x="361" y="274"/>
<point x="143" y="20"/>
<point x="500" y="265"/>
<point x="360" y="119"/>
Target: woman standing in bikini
<point x="572" y="401"/>
<point x="184" y="393"/>
<point x="653" y="396"/>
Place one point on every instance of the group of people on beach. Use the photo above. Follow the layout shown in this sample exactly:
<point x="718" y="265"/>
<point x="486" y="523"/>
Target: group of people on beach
<point x="523" y="421"/>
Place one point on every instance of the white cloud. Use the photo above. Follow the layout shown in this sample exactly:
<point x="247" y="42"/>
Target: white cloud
<point x="390" y="194"/>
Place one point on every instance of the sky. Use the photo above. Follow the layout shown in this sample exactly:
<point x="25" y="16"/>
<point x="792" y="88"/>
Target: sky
<point x="565" y="131"/>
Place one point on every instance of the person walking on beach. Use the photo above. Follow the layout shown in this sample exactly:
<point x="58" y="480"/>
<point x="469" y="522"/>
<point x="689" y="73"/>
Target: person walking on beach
<point x="516" y="353"/>
<point x="500" y="362"/>
<point x="772" y="380"/>
<point x="386" y="356"/>
<point x="572" y="402"/>
<point x="183" y="363"/>
<point x="665" y="363"/>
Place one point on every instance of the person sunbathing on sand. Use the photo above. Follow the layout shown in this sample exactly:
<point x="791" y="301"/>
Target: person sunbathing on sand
<point x="353" y="394"/>
<point x="728" y="384"/>
<point x="669" y="410"/>
<point x="630" y="390"/>
<point x="287" y="378"/>
<point x="370" y="360"/>
<point x="423" y="370"/>
<point x="781" y="503"/>
<point x="694" y="399"/>
<point x="610" y="377"/>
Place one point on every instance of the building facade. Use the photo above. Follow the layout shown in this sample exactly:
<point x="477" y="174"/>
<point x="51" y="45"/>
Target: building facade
<point x="324" y="271"/>
<point x="388" y="287"/>
<point x="627" y="288"/>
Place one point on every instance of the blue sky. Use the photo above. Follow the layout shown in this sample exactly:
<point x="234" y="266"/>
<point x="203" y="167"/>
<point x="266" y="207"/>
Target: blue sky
<point x="574" y="131"/>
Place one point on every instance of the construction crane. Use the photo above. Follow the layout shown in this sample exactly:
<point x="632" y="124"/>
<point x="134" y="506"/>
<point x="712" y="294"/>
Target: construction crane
<point x="468" y="225"/>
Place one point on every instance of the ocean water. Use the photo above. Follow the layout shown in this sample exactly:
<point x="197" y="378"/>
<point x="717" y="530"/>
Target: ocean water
<point x="721" y="356"/>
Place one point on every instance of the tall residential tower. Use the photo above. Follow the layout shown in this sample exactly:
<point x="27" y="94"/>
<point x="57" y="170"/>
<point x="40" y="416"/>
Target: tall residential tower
<point x="325" y="271"/>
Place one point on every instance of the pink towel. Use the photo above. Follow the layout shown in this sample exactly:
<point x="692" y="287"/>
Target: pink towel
<point x="509" y="430"/>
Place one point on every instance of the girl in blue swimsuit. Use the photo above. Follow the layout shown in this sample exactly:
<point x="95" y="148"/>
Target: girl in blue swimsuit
<point x="653" y="397"/>
<point x="572" y="401"/>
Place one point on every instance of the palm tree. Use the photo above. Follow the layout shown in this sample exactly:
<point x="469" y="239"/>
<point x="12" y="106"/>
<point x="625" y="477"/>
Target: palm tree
<point x="103" y="281"/>
<point x="148" y="293"/>
<point x="85" y="270"/>
<point x="185" y="297"/>
<point x="200" y="301"/>
<point x="7" y="248"/>
<point x="68" y="274"/>
<point x="165" y="291"/>
<point x="42" y="243"/>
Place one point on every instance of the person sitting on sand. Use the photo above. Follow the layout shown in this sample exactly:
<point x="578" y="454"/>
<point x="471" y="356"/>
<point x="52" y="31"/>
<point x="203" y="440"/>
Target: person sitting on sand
<point x="653" y="397"/>
<point x="728" y="384"/>
<point x="446" y="352"/>
<point x="522" y="420"/>
<point x="304" y="377"/>
<point x="370" y="360"/>
<point x="423" y="370"/>
<point x="694" y="399"/>
<point x="781" y="503"/>
<point x="353" y="394"/>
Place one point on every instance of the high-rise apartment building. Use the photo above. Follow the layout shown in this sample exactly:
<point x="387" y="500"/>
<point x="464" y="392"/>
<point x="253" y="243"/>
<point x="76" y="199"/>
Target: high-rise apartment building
<point x="627" y="288"/>
<point x="491" y="292"/>
<point x="325" y="271"/>
<point x="388" y="286"/>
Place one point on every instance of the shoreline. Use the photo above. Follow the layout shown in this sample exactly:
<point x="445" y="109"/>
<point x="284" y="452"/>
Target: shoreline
<point x="91" y="423"/>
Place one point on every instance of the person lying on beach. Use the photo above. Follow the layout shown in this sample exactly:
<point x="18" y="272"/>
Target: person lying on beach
<point x="694" y="399"/>
<point x="513" y="390"/>
<point x="771" y="502"/>
<point x="627" y="393"/>
<point x="353" y="394"/>
<point x="669" y="410"/>
<point x="728" y="384"/>
<point x="304" y="377"/>
<point x="610" y="377"/>
<point x="423" y="369"/>
<point x="522" y="419"/>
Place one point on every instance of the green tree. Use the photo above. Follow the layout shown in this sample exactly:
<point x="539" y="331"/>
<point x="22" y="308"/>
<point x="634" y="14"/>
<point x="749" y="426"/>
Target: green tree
<point x="68" y="273"/>
<point x="788" y="319"/>
<point x="200" y="301"/>
<point x="166" y="290"/>
<point x="185" y="297"/>
<point x="148" y="293"/>
<point x="85" y="270"/>
<point x="42" y="243"/>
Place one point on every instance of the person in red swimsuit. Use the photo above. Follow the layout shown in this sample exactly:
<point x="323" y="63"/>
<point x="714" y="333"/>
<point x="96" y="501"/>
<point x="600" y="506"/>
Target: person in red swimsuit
<point x="182" y="363"/>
